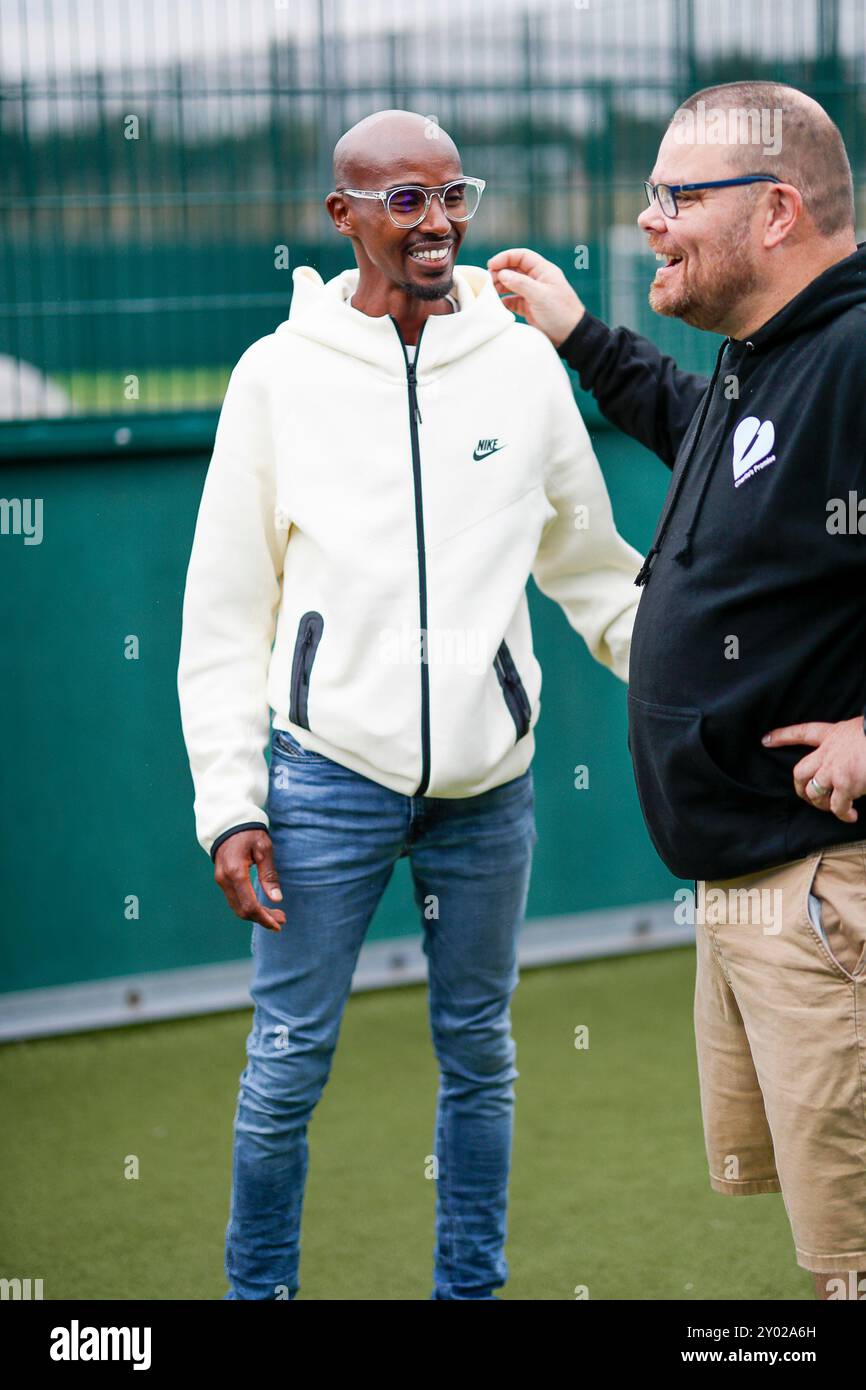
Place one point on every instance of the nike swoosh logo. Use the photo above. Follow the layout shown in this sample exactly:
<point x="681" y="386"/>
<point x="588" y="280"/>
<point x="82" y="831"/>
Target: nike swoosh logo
<point x="478" y="457"/>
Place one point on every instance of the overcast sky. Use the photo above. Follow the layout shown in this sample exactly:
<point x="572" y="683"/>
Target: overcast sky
<point x="39" y="36"/>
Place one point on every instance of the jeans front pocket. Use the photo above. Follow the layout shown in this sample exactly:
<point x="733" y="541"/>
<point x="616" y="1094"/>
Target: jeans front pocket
<point x="286" y="745"/>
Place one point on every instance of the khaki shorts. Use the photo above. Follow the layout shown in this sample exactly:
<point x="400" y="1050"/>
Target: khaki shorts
<point x="780" y="1022"/>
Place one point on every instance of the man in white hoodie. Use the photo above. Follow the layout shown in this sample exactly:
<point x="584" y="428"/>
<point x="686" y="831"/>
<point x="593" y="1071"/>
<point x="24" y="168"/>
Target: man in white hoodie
<point x="377" y="498"/>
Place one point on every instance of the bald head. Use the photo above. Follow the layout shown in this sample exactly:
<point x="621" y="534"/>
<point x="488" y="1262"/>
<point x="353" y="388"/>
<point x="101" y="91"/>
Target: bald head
<point x="775" y="129"/>
<point x="406" y="250"/>
<point x="396" y="145"/>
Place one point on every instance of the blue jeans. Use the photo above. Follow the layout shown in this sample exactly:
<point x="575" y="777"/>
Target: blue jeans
<point x="336" y="837"/>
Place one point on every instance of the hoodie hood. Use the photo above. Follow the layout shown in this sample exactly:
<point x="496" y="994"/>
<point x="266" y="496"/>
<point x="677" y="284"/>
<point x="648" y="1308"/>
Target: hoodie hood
<point x="321" y="312"/>
<point x="826" y="298"/>
<point x="838" y="288"/>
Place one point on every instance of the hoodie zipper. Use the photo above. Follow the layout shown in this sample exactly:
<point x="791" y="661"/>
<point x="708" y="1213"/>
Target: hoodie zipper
<point x="310" y="626"/>
<point x="414" y="420"/>
<point x="516" y="697"/>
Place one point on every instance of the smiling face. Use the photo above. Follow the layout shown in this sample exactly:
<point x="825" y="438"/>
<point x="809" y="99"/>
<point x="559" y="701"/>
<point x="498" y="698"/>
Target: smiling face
<point x="708" y="262"/>
<point x="417" y="260"/>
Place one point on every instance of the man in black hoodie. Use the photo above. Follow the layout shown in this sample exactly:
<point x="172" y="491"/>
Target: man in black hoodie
<point x="750" y="638"/>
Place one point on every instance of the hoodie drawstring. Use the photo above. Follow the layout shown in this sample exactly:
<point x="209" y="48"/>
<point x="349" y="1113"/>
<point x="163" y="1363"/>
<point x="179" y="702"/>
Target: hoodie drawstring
<point x="646" y="568"/>
<point x="684" y="554"/>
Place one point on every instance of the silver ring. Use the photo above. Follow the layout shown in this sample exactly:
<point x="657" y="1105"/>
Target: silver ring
<point x="820" y="791"/>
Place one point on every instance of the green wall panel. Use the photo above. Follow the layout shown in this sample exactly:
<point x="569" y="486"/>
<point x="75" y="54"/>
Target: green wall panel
<point x="97" y="795"/>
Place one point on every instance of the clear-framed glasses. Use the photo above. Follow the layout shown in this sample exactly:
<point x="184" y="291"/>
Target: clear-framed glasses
<point x="407" y="205"/>
<point x="667" y="192"/>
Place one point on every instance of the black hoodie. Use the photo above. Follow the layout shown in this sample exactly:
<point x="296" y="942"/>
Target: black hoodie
<point x="753" y="613"/>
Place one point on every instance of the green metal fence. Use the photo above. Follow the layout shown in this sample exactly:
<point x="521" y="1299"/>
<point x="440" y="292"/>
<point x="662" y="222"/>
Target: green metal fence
<point x="165" y="166"/>
<point x="159" y="162"/>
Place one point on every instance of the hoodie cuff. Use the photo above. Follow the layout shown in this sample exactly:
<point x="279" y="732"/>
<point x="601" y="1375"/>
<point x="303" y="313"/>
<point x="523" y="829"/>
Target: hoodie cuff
<point x="584" y="341"/>
<point x="235" y="829"/>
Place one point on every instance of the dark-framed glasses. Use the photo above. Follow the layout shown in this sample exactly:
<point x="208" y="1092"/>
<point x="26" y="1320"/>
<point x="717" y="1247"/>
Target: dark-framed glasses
<point x="407" y="205"/>
<point x="667" y="192"/>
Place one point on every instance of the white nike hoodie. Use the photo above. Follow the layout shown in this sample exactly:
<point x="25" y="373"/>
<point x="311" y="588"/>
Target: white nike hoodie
<point x="356" y="501"/>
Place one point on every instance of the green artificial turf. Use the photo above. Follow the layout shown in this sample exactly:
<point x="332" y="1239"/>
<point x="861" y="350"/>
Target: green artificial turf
<point x="159" y="388"/>
<point x="609" y="1187"/>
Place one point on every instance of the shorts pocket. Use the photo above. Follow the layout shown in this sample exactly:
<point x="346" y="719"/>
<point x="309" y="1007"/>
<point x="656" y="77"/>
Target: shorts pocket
<point x="836" y="896"/>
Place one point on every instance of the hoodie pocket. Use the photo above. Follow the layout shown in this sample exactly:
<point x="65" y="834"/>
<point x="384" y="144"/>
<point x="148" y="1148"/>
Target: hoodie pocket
<point x="516" y="697"/>
<point x="703" y="823"/>
<point x="306" y="643"/>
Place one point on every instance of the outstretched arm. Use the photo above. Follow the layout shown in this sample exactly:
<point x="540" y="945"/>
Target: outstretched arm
<point x="582" y="561"/>
<point x="638" y="388"/>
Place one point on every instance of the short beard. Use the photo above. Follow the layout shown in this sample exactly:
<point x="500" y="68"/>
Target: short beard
<point x="727" y="280"/>
<point x="427" y="291"/>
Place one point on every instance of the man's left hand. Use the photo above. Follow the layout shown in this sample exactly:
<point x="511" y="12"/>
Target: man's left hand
<point x="838" y="764"/>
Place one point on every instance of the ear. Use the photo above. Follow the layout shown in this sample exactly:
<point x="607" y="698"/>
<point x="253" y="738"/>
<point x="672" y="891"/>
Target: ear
<point x="783" y="211"/>
<point x="340" y="212"/>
